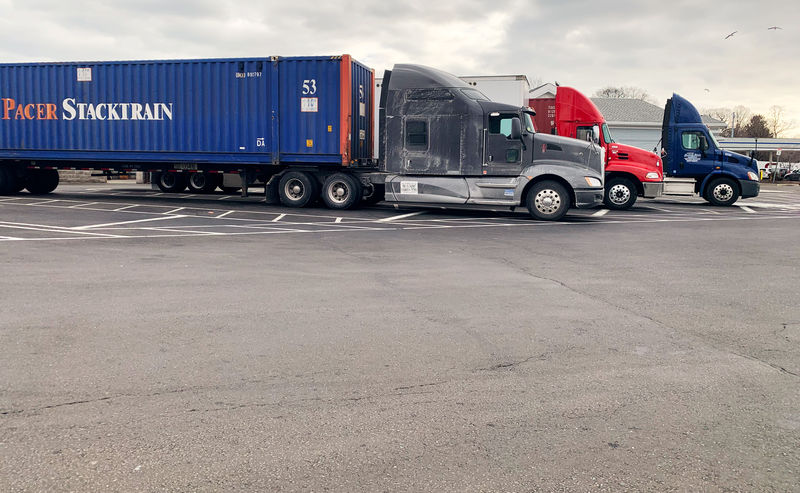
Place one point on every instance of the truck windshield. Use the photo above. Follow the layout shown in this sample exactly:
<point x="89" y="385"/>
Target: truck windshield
<point x="713" y="138"/>
<point x="528" y="123"/>
<point x="475" y="94"/>
<point x="607" y="134"/>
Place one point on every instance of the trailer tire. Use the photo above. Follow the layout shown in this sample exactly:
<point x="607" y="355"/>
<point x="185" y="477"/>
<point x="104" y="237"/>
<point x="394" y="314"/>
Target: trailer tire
<point x="620" y="194"/>
<point x="547" y="200"/>
<point x="297" y="189"/>
<point x="202" y="182"/>
<point x="42" y="181"/>
<point x="341" y="191"/>
<point x="172" y="182"/>
<point x="722" y="192"/>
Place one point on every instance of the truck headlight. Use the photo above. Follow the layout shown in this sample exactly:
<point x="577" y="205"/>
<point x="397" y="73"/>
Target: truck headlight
<point x="752" y="176"/>
<point x="651" y="175"/>
<point x="593" y="182"/>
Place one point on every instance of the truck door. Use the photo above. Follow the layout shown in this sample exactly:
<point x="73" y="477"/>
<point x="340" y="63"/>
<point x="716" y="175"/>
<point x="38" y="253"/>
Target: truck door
<point x="503" y="154"/>
<point x="695" y="159"/>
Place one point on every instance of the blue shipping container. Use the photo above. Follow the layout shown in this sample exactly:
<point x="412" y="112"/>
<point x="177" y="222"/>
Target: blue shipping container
<point x="273" y="110"/>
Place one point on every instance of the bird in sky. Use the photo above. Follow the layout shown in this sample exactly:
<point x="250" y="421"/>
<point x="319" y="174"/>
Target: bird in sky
<point x="731" y="34"/>
<point x="774" y="28"/>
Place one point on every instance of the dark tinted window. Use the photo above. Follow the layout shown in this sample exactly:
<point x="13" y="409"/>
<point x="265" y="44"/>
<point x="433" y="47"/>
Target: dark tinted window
<point x="417" y="134"/>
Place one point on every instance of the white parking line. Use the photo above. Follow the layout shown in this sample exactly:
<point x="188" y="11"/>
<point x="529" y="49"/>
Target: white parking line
<point x="401" y="216"/>
<point x="601" y="212"/>
<point x="93" y="226"/>
<point x="123" y="208"/>
<point x="50" y="229"/>
<point x="277" y="219"/>
<point x="746" y="209"/>
<point x="338" y="220"/>
<point x="224" y="214"/>
<point x="175" y="210"/>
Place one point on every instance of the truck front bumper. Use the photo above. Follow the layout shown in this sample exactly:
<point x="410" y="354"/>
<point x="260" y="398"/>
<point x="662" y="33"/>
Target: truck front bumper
<point x="652" y="189"/>
<point x="587" y="198"/>
<point x="749" y="188"/>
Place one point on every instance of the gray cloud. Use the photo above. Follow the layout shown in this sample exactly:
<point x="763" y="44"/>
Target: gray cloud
<point x="661" y="47"/>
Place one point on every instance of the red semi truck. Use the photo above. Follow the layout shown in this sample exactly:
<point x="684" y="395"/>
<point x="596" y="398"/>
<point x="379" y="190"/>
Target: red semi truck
<point x="630" y="172"/>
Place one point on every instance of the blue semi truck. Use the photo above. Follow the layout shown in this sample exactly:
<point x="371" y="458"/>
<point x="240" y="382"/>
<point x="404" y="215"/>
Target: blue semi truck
<point x="694" y="163"/>
<point x="300" y="126"/>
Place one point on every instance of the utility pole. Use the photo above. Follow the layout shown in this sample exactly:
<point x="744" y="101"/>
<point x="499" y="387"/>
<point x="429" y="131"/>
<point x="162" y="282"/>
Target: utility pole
<point x="733" y="123"/>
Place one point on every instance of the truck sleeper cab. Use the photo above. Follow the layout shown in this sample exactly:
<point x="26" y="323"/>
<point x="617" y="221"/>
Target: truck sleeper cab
<point x="444" y="142"/>
<point x="690" y="151"/>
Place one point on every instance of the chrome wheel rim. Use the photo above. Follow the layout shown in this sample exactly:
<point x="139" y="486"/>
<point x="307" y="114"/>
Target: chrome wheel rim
<point x="619" y="194"/>
<point x="723" y="192"/>
<point x="294" y="189"/>
<point x="338" y="191"/>
<point x="547" y="201"/>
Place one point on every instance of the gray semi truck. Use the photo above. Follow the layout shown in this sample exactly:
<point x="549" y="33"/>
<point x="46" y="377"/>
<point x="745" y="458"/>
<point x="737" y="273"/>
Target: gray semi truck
<point x="443" y="142"/>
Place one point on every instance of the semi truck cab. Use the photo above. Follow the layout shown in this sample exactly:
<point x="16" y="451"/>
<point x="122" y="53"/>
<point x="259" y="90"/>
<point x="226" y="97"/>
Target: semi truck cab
<point x="690" y="151"/>
<point x="444" y="142"/>
<point x="629" y="172"/>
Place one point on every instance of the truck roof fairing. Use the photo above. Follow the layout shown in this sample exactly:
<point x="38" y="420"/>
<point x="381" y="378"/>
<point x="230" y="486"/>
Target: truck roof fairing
<point x="407" y="76"/>
<point x="683" y="111"/>
<point x="573" y="106"/>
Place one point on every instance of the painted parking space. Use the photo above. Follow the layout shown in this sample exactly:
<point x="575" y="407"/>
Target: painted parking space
<point x="103" y="212"/>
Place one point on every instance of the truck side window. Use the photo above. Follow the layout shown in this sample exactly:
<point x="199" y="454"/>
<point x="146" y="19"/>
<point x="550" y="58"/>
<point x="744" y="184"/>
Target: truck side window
<point x="417" y="134"/>
<point x="584" y="133"/>
<point x="500" y="124"/>
<point x="691" y="140"/>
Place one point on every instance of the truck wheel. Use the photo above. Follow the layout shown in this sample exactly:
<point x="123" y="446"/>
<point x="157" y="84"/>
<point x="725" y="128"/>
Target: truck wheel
<point x="297" y="189"/>
<point x="202" y="182"/>
<point x="548" y="200"/>
<point x="42" y="181"/>
<point x="341" y="191"/>
<point x="172" y="182"/>
<point x="620" y="194"/>
<point x="722" y="191"/>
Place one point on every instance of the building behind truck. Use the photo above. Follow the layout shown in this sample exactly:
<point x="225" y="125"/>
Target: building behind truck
<point x="301" y="126"/>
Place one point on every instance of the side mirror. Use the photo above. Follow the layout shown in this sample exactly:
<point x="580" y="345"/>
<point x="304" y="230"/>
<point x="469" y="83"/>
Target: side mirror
<point x="516" y="129"/>
<point x="596" y="134"/>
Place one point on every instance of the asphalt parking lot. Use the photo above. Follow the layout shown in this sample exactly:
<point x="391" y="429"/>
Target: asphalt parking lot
<point x="209" y="342"/>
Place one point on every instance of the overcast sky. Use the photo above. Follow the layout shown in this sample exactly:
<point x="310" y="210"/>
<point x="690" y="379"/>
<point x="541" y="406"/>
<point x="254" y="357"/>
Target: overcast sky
<point x="662" y="47"/>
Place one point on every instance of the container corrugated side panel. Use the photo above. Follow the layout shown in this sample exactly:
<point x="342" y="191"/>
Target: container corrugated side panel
<point x="310" y="109"/>
<point x="362" y="111"/>
<point x="207" y="107"/>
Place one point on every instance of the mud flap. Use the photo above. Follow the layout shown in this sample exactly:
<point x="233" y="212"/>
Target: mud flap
<point x="271" y="190"/>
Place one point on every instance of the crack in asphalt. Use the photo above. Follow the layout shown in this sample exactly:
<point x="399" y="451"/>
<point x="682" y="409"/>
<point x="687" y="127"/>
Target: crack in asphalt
<point x="711" y="342"/>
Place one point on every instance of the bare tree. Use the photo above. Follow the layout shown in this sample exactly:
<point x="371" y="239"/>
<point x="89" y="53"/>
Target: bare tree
<point x="627" y="92"/>
<point x="721" y="114"/>
<point x="777" y="122"/>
